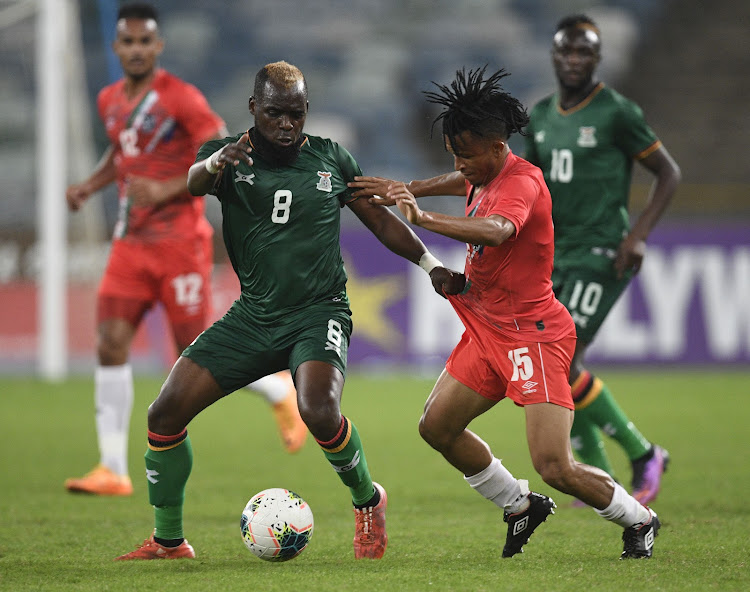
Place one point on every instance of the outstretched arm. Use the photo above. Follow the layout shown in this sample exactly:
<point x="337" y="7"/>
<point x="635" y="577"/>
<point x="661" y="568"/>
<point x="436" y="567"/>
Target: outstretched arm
<point x="633" y="247"/>
<point x="400" y="239"/>
<point x="376" y="188"/>
<point x="491" y="231"/>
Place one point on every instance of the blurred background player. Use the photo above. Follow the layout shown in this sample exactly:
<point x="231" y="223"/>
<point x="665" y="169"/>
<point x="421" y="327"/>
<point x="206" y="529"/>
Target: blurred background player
<point x="585" y="138"/>
<point x="162" y="246"/>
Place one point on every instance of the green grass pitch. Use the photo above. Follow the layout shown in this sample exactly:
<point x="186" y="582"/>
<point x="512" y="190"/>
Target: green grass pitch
<point x="442" y="535"/>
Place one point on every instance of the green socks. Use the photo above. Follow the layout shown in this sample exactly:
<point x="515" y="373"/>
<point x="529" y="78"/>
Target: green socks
<point x="596" y="409"/>
<point x="169" y="460"/>
<point x="347" y="458"/>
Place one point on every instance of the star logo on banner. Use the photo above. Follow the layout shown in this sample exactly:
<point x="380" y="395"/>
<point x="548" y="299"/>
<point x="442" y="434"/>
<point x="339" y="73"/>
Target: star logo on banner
<point x="369" y="299"/>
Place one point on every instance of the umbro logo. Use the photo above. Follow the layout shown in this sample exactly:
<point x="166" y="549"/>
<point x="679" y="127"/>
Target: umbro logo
<point x="648" y="540"/>
<point x="151" y="476"/>
<point x="521" y="525"/>
<point x="528" y="387"/>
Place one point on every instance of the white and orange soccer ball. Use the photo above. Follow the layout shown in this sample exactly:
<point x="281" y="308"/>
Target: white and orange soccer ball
<point x="276" y="524"/>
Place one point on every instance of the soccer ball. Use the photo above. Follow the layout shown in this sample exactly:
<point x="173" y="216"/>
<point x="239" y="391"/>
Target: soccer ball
<point x="276" y="524"/>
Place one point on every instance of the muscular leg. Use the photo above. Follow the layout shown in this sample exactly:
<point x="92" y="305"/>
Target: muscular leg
<point x="548" y="435"/>
<point x="188" y="390"/>
<point x="547" y="428"/>
<point x="448" y="411"/>
<point x="319" y="388"/>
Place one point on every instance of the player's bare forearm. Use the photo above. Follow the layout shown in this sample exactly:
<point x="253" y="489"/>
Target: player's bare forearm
<point x="199" y="180"/>
<point x="492" y="231"/>
<point x="452" y="183"/>
<point x="202" y="175"/>
<point x="389" y="229"/>
<point x="376" y="188"/>
<point x="668" y="177"/>
<point x="104" y="173"/>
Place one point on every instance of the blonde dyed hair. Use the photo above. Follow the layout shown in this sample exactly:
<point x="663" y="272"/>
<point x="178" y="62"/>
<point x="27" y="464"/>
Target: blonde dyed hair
<point x="281" y="74"/>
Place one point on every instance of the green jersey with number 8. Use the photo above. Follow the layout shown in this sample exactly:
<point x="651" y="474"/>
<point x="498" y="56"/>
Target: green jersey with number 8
<point x="586" y="154"/>
<point x="281" y="226"/>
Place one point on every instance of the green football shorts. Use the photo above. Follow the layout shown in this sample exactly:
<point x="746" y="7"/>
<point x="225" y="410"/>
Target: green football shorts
<point x="589" y="293"/>
<point x="238" y="349"/>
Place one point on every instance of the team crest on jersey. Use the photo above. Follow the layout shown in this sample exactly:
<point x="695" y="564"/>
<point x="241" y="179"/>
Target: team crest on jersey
<point x="244" y="178"/>
<point x="539" y="137"/>
<point x="587" y="136"/>
<point x="149" y="123"/>
<point x="324" y="182"/>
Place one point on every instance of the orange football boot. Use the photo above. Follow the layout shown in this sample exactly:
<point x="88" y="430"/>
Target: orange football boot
<point x="101" y="481"/>
<point x="150" y="549"/>
<point x="370" y="538"/>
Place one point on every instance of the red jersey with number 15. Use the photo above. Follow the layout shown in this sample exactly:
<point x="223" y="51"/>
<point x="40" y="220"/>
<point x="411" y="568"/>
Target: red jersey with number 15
<point x="509" y="286"/>
<point x="157" y="135"/>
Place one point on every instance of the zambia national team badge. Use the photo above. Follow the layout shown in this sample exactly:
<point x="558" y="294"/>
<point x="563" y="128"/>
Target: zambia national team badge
<point x="324" y="182"/>
<point x="587" y="137"/>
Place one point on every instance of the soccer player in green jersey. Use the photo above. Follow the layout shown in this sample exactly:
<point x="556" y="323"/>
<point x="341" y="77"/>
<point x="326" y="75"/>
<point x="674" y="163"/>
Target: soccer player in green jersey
<point x="585" y="138"/>
<point x="281" y="194"/>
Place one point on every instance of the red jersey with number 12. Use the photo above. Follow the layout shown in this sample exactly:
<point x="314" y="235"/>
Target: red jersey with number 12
<point x="157" y="135"/>
<point x="509" y="286"/>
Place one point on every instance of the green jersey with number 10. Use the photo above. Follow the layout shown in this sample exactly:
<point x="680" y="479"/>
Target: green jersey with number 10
<point x="281" y="226"/>
<point x="586" y="154"/>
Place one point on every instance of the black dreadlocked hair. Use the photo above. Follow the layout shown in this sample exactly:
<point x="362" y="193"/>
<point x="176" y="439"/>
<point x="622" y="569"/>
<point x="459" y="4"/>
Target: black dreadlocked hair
<point x="479" y="106"/>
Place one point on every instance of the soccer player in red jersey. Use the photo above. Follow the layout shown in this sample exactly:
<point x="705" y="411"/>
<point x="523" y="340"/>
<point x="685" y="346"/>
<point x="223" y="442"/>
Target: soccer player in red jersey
<point x="162" y="246"/>
<point x="519" y="339"/>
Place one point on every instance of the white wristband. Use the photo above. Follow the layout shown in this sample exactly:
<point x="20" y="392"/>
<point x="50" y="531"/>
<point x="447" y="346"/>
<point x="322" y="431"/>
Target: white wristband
<point x="428" y="262"/>
<point x="210" y="163"/>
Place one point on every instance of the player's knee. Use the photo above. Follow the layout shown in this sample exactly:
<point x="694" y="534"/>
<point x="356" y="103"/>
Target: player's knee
<point x="162" y="416"/>
<point x="323" y="418"/>
<point x="555" y="473"/>
<point x="430" y="432"/>
<point x="111" y="351"/>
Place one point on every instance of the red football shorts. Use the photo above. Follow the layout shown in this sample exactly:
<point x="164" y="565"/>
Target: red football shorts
<point x="496" y="367"/>
<point x="177" y="274"/>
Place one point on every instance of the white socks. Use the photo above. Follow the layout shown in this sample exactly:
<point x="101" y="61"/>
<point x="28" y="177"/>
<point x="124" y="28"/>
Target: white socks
<point x="500" y="487"/>
<point x="113" y="396"/>
<point x="273" y="388"/>
<point x="624" y="509"/>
